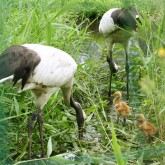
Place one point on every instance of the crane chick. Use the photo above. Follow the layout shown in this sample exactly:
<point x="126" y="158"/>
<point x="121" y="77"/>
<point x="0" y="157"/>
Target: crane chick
<point x="122" y="109"/>
<point x="147" y="128"/>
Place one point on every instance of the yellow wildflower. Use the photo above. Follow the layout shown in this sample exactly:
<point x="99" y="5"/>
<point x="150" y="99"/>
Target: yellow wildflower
<point x="161" y="52"/>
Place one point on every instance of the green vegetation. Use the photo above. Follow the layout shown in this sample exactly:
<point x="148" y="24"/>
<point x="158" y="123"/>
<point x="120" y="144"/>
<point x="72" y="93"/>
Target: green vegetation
<point x="68" y="25"/>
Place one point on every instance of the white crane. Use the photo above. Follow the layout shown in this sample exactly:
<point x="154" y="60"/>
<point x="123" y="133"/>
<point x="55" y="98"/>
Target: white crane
<point x="117" y="26"/>
<point x="43" y="70"/>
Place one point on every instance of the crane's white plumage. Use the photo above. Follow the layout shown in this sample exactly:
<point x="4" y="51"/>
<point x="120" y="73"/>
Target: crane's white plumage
<point x="43" y="70"/>
<point x="107" y="24"/>
<point x="55" y="69"/>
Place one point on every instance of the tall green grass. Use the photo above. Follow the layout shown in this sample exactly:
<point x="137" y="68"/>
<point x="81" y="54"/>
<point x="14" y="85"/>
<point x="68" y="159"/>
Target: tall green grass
<point x="65" y="25"/>
<point x="153" y="80"/>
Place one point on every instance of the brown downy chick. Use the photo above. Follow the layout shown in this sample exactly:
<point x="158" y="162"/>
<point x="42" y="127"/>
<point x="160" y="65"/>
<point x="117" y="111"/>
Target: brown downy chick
<point x="146" y="127"/>
<point x="122" y="109"/>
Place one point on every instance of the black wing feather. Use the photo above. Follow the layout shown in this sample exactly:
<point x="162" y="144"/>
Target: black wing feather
<point x="19" y="61"/>
<point x="125" y="18"/>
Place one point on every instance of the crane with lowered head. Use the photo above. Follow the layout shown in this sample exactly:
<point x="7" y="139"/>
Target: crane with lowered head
<point x="43" y="70"/>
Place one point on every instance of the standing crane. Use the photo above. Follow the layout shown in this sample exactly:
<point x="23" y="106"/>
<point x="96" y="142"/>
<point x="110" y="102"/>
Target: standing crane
<point x="43" y="70"/>
<point x="117" y="26"/>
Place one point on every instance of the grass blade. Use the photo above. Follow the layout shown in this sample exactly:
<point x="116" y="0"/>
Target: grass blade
<point x="118" y="155"/>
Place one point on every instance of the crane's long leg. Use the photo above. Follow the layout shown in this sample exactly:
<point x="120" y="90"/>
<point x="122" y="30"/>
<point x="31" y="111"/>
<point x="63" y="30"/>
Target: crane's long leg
<point x="43" y="94"/>
<point x="40" y="123"/>
<point x="126" y="47"/>
<point x="127" y="73"/>
<point x="109" y="60"/>
<point x="31" y="124"/>
<point x="113" y="70"/>
<point x="36" y="115"/>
